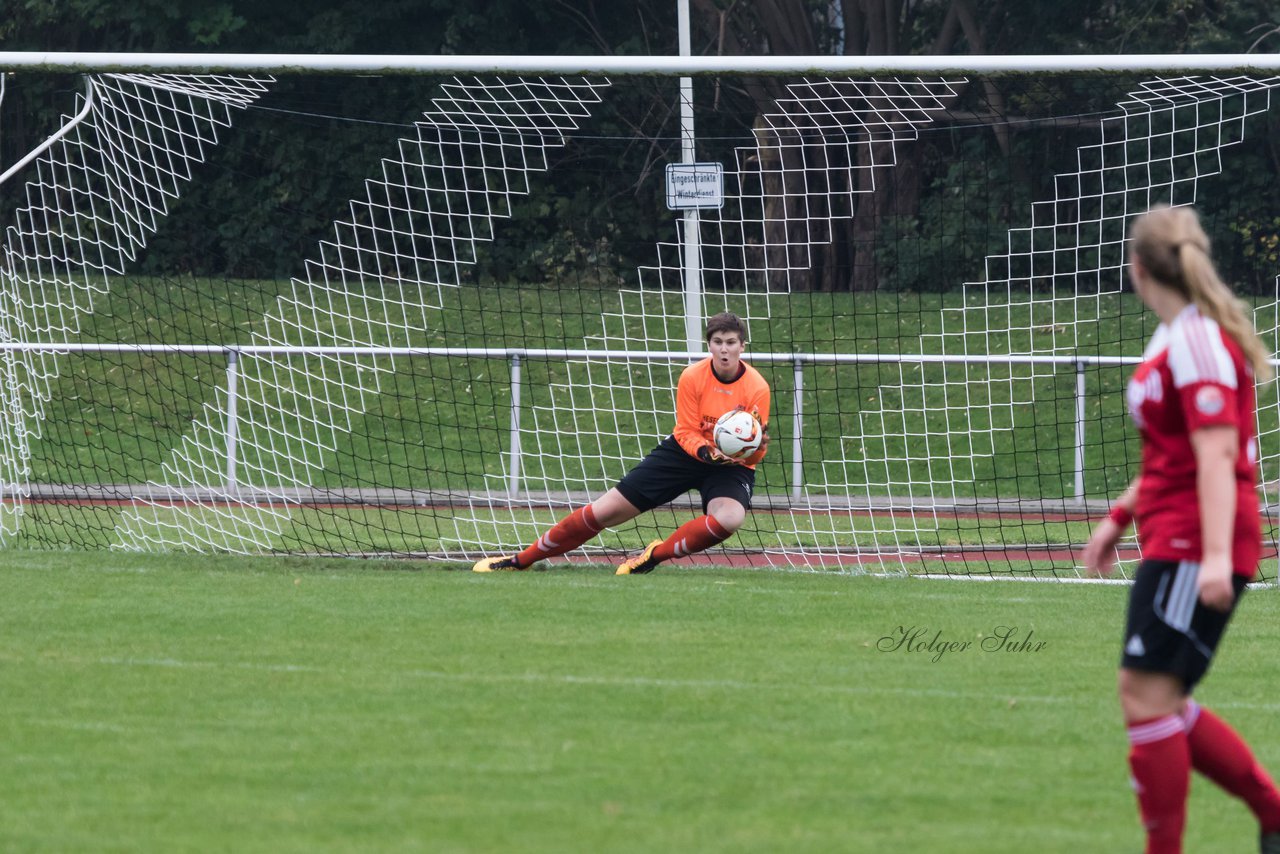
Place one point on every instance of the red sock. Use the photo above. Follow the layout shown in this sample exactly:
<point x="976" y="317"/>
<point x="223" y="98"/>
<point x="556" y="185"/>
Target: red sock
<point x="566" y="535"/>
<point x="1219" y="753"/>
<point x="693" y="536"/>
<point x="1161" y="763"/>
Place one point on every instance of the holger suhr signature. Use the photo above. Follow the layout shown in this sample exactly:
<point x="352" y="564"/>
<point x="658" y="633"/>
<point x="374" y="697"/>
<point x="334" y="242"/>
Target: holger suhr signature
<point x="932" y="642"/>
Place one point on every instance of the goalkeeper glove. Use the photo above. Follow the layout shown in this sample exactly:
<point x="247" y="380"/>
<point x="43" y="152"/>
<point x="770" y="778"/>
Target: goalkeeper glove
<point x="712" y="456"/>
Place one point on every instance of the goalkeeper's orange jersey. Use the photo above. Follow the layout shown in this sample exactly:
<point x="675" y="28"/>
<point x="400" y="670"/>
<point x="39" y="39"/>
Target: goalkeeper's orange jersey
<point x="701" y="399"/>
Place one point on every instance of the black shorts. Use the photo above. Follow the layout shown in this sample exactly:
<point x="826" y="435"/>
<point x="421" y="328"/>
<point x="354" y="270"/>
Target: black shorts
<point x="667" y="472"/>
<point x="1168" y="629"/>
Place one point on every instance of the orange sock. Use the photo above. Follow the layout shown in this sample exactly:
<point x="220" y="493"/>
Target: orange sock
<point x="693" y="536"/>
<point x="566" y="535"/>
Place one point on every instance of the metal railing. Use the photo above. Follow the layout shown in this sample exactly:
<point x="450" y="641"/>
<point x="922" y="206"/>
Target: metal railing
<point x="514" y="357"/>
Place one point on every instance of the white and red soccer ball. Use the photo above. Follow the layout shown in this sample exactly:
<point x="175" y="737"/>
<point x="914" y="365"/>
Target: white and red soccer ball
<point x="738" y="434"/>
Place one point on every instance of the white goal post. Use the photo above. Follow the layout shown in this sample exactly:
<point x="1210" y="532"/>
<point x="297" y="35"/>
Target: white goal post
<point x="610" y="66"/>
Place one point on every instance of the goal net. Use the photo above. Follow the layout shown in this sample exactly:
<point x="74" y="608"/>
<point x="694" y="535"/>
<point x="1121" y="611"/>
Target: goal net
<point x="287" y="313"/>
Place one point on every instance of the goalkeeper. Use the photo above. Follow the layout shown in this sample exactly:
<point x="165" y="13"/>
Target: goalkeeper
<point x="687" y="459"/>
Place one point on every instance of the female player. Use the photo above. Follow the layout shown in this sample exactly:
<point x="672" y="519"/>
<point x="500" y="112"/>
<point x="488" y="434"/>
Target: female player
<point x="687" y="459"/>
<point x="1196" y="503"/>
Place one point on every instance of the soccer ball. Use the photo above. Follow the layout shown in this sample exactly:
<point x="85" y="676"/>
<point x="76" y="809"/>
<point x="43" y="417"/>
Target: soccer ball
<point x="738" y="434"/>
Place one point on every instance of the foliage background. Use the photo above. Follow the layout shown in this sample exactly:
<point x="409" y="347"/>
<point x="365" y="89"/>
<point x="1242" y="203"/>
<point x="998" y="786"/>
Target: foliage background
<point x="297" y="157"/>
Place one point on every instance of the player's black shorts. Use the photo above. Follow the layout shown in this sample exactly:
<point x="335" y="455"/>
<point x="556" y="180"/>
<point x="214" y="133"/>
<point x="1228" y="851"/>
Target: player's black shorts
<point x="1168" y="629"/>
<point x="667" y="472"/>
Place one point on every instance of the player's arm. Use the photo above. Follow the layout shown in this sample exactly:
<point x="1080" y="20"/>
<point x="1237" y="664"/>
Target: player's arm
<point x="1100" y="552"/>
<point x="1210" y="410"/>
<point x="1216" y="448"/>
<point x="760" y="409"/>
<point x="688" y="431"/>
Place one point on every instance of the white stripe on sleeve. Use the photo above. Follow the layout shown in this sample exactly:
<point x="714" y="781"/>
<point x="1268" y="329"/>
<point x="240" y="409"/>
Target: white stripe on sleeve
<point x="1197" y="352"/>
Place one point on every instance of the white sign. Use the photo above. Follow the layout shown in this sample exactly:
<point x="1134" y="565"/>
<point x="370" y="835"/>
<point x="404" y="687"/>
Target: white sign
<point x="695" y="185"/>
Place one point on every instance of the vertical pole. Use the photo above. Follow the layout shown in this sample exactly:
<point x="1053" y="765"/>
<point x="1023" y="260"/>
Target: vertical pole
<point x="513" y="472"/>
<point x="232" y="417"/>
<point x="1079" y="431"/>
<point x="797" y="433"/>
<point x="691" y="237"/>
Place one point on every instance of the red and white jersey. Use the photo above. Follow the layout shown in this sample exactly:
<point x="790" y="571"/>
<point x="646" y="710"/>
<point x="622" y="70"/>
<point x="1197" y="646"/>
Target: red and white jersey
<point x="1193" y="375"/>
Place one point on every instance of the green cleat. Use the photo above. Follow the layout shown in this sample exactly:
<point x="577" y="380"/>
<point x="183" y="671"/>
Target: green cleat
<point x="641" y="563"/>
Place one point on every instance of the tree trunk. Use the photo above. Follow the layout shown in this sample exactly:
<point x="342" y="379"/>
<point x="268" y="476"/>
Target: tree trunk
<point x="821" y="219"/>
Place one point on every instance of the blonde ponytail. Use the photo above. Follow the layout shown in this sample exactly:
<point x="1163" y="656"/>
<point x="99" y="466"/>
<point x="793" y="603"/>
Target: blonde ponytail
<point x="1215" y="299"/>
<point x="1173" y="247"/>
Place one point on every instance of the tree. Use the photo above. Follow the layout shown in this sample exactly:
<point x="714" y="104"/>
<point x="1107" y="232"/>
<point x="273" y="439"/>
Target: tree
<point x="235" y="224"/>
<point x="891" y="187"/>
<point x="274" y="192"/>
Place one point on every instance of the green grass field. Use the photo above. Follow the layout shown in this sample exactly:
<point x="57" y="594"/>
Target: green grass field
<point x="177" y="703"/>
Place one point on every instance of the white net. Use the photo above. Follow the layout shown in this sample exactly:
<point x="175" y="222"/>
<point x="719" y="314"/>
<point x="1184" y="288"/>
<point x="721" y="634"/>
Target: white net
<point x="812" y="156"/>
<point x="1041" y="297"/>
<point x="98" y="193"/>
<point x="377" y="283"/>
<point x="920" y="455"/>
<point x="912" y="431"/>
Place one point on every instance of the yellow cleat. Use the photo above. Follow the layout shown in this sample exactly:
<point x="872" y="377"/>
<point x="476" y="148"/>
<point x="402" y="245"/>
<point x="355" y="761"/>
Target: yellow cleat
<point x="497" y="564"/>
<point x="641" y="563"/>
